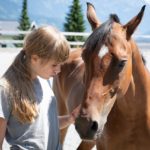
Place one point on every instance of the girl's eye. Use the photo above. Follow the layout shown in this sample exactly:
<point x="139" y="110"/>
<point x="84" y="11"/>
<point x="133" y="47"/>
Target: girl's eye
<point x="55" y="65"/>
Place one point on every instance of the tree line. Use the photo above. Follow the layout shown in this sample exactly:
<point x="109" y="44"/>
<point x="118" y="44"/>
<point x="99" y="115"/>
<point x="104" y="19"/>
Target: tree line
<point x="74" y="21"/>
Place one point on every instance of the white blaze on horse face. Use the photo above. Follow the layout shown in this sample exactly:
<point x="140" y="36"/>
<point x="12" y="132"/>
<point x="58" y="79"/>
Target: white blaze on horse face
<point x="103" y="51"/>
<point x="105" y="112"/>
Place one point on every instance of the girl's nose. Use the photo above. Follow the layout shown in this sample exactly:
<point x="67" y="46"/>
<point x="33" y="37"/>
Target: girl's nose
<point x="58" y="69"/>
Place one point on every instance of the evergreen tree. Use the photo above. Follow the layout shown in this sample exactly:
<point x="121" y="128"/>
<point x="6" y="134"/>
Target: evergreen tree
<point x="24" y="22"/>
<point x="75" y="21"/>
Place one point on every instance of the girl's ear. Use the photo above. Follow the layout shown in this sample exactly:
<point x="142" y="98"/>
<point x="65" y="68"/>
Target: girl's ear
<point x="34" y="58"/>
<point x="92" y="17"/>
<point x="131" y="26"/>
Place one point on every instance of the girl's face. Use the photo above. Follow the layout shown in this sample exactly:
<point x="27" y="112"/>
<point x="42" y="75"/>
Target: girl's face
<point x="44" y="69"/>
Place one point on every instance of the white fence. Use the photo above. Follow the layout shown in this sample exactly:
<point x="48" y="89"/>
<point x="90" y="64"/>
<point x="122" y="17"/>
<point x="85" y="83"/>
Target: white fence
<point x="6" y="41"/>
<point x="9" y="42"/>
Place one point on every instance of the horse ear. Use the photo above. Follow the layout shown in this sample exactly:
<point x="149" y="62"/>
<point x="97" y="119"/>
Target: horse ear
<point x="92" y="17"/>
<point x="133" y="23"/>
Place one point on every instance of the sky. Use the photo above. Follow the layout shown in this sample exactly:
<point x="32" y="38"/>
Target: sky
<point x="54" y="11"/>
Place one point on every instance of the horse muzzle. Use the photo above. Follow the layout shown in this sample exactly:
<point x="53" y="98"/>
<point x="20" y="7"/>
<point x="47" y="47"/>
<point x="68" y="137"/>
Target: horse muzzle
<point x="87" y="128"/>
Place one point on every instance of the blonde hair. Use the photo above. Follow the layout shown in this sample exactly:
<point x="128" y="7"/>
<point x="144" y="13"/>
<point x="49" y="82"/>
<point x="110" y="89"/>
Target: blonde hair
<point x="45" y="42"/>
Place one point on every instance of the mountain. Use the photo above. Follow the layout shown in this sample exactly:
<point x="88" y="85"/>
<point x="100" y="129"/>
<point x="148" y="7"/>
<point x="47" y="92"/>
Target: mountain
<point x="9" y="10"/>
<point x="54" y="11"/>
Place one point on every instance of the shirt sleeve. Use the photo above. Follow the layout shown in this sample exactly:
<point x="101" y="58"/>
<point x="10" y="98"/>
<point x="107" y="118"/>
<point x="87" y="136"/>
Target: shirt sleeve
<point x="5" y="106"/>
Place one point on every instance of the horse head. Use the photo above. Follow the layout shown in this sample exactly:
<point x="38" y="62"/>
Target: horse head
<point x="107" y="56"/>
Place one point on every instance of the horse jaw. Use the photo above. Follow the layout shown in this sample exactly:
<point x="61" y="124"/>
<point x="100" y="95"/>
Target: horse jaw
<point x="102" y="118"/>
<point x="91" y="127"/>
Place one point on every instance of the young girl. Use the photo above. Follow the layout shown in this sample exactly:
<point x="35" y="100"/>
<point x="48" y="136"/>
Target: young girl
<point x="28" y="111"/>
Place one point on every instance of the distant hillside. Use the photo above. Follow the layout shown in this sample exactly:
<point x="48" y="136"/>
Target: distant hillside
<point x="54" y="11"/>
<point x="145" y="38"/>
<point x="148" y="33"/>
<point x="39" y="14"/>
<point x="10" y="10"/>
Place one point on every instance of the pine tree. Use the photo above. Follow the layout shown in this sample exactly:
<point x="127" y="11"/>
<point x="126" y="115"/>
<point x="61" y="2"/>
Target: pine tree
<point x="24" y="22"/>
<point x="75" y="21"/>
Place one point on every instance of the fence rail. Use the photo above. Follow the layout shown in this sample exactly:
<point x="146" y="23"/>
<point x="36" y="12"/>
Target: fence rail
<point x="7" y="40"/>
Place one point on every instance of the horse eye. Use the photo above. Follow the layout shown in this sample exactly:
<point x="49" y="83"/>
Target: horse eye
<point x="112" y="92"/>
<point x="121" y="64"/>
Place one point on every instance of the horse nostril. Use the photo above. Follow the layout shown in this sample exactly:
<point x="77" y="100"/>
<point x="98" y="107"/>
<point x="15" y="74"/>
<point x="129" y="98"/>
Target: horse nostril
<point x="94" y="126"/>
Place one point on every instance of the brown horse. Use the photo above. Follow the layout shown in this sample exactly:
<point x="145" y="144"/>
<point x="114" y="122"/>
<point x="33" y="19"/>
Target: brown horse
<point x="112" y="85"/>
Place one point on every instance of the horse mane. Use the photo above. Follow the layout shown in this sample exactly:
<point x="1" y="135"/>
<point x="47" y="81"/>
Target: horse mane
<point x="114" y="17"/>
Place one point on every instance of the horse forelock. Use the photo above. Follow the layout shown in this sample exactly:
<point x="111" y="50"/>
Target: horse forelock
<point x="96" y="41"/>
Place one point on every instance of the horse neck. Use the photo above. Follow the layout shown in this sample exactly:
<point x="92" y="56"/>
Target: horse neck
<point x="137" y="97"/>
<point x="139" y="71"/>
